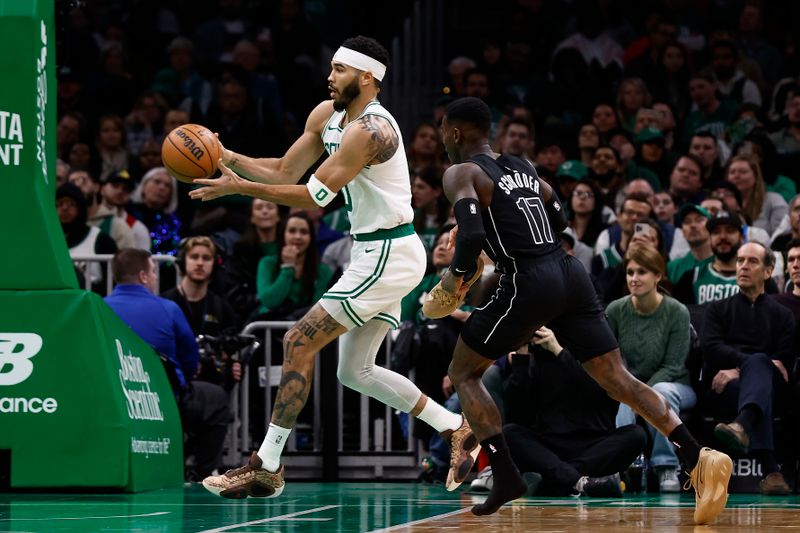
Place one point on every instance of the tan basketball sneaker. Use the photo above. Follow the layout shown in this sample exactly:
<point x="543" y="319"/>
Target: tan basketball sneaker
<point x="464" y="449"/>
<point x="441" y="303"/>
<point x="248" y="481"/>
<point x="710" y="480"/>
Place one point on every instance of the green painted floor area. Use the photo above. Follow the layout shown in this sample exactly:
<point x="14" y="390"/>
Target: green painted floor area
<point x="314" y="507"/>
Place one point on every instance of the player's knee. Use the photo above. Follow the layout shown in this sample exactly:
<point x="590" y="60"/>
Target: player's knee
<point x="353" y="378"/>
<point x="294" y="348"/>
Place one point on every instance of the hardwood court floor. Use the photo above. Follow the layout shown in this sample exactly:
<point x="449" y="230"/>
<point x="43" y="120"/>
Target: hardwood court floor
<point x="373" y="507"/>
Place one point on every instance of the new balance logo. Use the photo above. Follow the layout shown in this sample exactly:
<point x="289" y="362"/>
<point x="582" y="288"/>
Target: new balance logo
<point x="16" y="350"/>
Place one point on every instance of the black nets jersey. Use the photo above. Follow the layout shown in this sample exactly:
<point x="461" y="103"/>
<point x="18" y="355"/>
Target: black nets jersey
<point x="516" y="223"/>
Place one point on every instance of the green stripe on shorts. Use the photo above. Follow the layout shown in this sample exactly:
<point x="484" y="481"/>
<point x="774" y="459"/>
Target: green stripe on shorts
<point x="351" y="314"/>
<point x="388" y="318"/>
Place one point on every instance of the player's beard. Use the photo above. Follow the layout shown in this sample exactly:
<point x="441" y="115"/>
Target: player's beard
<point x="348" y="94"/>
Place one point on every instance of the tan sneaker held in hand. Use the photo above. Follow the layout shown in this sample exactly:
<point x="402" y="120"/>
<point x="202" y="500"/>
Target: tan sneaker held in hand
<point x="440" y="303"/>
<point x="248" y="481"/>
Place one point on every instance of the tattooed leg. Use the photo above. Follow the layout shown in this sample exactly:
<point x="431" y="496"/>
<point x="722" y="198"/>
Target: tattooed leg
<point x="301" y="343"/>
<point x="611" y="374"/>
<point x="465" y="372"/>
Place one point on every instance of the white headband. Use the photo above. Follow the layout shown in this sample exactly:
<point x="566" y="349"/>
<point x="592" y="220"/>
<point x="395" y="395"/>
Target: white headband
<point x="355" y="59"/>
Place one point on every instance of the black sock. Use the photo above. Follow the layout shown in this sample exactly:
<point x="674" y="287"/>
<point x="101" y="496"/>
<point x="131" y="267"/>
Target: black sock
<point x="767" y="460"/>
<point x="688" y="447"/>
<point x="507" y="484"/>
<point x="748" y="416"/>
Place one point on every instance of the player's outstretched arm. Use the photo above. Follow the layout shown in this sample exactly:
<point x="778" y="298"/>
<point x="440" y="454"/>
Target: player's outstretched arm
<point x="296" y="161"/>
<point x="371" y="140"/>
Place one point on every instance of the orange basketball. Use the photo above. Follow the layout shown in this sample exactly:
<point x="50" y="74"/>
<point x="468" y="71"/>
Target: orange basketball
<point x="189" y="152"/>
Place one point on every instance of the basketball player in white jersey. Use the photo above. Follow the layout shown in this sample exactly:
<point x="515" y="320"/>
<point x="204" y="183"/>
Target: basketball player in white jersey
<point x="367" y="164"/>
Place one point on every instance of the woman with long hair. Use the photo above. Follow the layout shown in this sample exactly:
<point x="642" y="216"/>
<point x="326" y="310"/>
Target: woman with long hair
<point x="632" y="95"/>
<point x="653" y="333"/>
<point x="112" y="145"/>
<point x="586" y="212"/>
<point x="763" y="209"/>
<point x="295" y="278"/>
<point x="426" y="149"/>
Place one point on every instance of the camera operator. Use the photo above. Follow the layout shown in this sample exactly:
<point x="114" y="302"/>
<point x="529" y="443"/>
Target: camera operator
<point x="210" y="316"/>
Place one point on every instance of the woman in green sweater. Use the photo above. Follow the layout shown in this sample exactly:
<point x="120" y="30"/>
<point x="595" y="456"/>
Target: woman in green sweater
<point x="295" y="278"/>
<point x="653" y="333"/>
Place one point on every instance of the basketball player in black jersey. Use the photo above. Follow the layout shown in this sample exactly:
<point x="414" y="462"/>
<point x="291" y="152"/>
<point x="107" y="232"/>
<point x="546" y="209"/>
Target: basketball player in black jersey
<point x="503" y="208"/>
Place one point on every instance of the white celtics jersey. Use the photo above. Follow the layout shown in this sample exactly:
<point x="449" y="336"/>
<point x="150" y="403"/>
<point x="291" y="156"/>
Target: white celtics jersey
<point x="379" y="197"/>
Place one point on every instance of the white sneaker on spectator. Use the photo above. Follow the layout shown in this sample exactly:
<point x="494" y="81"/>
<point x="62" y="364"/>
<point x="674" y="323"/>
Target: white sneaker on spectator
<point x="484" y="482"/>
<point x="668" y="479"/>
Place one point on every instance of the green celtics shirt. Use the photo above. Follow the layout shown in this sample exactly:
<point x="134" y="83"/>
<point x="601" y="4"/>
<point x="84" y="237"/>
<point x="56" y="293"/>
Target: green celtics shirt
<point x="710" y="285"/>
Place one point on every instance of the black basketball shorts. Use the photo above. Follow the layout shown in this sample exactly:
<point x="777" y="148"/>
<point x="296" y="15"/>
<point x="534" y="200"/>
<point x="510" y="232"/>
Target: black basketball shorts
<point x="552" y="290"/>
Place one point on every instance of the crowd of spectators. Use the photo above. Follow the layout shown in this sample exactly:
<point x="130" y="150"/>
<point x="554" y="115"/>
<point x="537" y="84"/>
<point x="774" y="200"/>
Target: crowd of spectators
<point x="671" y="130"/>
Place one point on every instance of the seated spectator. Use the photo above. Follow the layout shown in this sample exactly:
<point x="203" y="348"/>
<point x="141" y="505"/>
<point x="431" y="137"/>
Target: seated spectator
<point x="782" y="238"/>
<point x="610" y="282"/>
<point x="787" y="139"/>
<point x="632" y="95"/>
<point x="613" y="241"/>
<point x="606" y="170"/>
<point x="260" y="239"/>
<point x="653" y="333"/>
<point x="791" y="298"/>
<point x="81" y="238"/>
<point x="100" y="216"/>
<point x="732" y="83"/>
<point x="293" y="281"/>
<point x="145" y="121"/>
<point x="517" y="139"/>
<point x="707" y="148"/>
<point x="426" y="150"/>
<point x="605" y="119"/>
<point x="115" y="194"/>
<point x="694" y="231"/>
<point x="665" y="208"/>
<point x="549" y="154"/>
<point x="653" y="154"/>
<point x="711" y="114"/>
<point x="155" y="200"/>
<point x="588" y="142"/>
<point x="714" y="279"/>
<point x="203" y="406"/>
<point x="775" y="170"/>
<point x="112" y="145"/>
<point x="431" y="208"/>
<point x="747" y="342"/>
<point x="560" y="424"/>
<point x="731" y="198"/>
<point x="685" y="181"/>
<point x="585" y="213"/>
<point x="762" y="208"/>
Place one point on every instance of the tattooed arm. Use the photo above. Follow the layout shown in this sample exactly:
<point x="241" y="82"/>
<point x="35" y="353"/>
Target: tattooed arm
<point x="371" y="140"/>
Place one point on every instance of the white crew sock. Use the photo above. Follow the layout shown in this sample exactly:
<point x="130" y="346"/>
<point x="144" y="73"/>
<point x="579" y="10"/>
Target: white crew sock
<point x="438" y="417"/>
<point x="272" y="447"/>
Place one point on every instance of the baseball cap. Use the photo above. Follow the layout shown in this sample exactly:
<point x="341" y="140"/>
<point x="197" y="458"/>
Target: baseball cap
<point x="689" y="208"/>
<point x="724" y="217"/>
<point x="121" y="176"/>
<point x="649" y="135"/>
<point x="572" y="169"/>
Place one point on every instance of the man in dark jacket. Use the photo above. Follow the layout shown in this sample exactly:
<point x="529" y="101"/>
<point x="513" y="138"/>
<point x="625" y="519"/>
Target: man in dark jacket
<point x="747" y="343"/>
